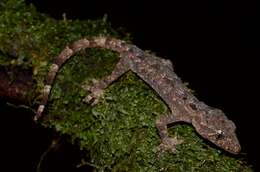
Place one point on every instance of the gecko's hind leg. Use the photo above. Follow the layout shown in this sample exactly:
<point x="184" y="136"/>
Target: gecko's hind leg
<point x="168" y="143"/>
<point x="97" y="88"/>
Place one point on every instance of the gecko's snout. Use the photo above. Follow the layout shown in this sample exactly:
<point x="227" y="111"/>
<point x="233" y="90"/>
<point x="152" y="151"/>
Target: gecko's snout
<point x="235" y="148"/>
<point x="229" y="143"/>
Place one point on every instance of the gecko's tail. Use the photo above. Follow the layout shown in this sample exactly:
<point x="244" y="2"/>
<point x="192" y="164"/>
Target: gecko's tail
<point x="95" y="42"/>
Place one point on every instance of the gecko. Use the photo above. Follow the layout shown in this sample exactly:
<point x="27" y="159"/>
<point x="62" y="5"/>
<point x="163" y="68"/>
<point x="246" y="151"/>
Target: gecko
<point x="210" y="123"/>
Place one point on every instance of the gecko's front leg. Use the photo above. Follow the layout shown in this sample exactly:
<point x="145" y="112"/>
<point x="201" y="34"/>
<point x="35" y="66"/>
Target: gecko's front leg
<point x="97" y="88"/>
<point x="168" y="143"/>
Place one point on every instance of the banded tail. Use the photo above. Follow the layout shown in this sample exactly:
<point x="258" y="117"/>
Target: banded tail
<point x="95" y="42"/>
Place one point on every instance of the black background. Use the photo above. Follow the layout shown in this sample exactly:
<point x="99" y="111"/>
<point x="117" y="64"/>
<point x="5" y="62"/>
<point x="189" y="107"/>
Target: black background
<point x="214" y="45"/>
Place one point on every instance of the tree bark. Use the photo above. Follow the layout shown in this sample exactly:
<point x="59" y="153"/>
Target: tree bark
<point x="15" y="84"/>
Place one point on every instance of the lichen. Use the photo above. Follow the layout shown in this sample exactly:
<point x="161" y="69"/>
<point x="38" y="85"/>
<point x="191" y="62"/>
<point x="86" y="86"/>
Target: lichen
<point x="119" y="133"/>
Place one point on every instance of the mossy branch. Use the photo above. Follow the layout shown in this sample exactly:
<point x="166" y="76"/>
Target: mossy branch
<point x="119" y="133"/>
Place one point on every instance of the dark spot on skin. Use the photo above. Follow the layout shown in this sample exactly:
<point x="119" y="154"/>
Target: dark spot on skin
<point x="193" y="106"/>
<point x="167" y="81"/>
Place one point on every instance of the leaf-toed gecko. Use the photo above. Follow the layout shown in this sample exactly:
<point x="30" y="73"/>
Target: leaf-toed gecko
<point x="210" y="123"/>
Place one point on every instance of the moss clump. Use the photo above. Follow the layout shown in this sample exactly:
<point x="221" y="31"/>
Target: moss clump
<point x="119" y="133"/>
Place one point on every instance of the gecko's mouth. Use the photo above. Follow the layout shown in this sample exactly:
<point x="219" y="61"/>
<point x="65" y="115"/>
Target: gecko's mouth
<point x="234" y="149"/>
<point x="231" y="145"/>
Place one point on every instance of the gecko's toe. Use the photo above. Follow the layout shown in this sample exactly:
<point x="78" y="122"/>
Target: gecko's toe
<point x="95" y="102"/>
<point x="87" y="87"/>
<point x="88" y="99"/>
<point x="94" y="97"/>
<point x="169" y="144"/>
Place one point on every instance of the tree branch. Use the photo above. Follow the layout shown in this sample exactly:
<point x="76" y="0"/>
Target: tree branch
<point x="15" y="84"/>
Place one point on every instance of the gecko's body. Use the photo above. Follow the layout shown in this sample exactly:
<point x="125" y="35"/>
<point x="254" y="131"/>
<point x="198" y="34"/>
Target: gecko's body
<point x="210" y="123"/>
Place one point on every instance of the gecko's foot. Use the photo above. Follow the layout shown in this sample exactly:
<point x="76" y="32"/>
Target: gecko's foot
<point x="95" y="95"/>
<point x="169" y="144"/>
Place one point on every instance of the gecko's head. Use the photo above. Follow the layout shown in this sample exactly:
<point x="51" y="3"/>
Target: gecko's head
<point x="217" y="128"/>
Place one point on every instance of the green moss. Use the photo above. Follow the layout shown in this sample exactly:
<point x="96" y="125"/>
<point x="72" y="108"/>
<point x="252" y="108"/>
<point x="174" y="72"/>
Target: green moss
<point x="119" y="133"/>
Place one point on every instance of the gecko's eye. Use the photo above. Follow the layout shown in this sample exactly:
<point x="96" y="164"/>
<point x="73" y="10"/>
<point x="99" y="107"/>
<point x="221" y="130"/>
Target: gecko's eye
<point x="193" y="106"/>
<point x="219" y="134"/>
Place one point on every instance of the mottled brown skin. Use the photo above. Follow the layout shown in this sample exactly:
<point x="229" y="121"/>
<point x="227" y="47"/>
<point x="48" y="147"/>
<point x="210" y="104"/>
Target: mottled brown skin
<point x="210" y="123"/>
